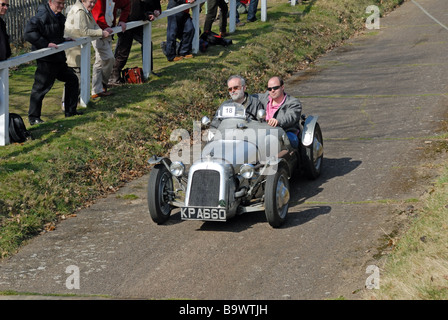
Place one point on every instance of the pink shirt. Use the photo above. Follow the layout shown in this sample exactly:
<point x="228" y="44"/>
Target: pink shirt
<point x="271" y="109"/>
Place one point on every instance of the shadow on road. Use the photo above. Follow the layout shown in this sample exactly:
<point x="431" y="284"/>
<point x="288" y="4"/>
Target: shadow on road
<point x="303" y="189"/>
<point x="303" y="216"/>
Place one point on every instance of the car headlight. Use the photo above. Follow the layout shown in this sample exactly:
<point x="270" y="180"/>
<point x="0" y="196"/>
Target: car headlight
<point x="177" y="168"/>
<point x="247" y="171"/>
<point x="210" y="135"/>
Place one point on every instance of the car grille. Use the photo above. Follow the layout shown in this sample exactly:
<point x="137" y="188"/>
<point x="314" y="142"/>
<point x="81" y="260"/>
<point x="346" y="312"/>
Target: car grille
<point x="204" y="189"/>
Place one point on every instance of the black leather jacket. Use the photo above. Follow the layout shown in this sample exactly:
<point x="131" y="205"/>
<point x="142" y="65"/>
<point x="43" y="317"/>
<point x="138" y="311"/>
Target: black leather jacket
<point x="140" y="9"/>
<point x="5" y="49"/>
<point x="46" y="27"/>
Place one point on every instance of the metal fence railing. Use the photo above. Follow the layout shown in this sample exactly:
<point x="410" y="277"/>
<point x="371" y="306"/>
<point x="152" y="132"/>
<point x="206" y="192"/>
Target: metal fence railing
<point x="85" y="44"/>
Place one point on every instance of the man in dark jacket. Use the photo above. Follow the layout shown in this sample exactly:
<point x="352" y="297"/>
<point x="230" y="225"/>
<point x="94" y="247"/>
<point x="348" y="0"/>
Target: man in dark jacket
<point x="237" y="91"/>
<point x="140" y="10"/>
<point x="5" y="49"/>
<point x="180" y="26"/>
<point x="46" y="30"/>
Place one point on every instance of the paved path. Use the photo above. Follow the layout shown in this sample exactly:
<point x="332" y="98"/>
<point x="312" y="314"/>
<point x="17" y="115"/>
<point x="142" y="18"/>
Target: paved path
<point x="381" y="98"/>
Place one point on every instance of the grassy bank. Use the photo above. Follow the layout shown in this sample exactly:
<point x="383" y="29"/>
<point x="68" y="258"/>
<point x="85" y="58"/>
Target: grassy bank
<point x="417" y="267"/>
<point x="71" y="162"/>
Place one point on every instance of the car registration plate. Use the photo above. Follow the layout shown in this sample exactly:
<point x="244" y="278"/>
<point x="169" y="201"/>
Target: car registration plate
<point x="210" y="214"/>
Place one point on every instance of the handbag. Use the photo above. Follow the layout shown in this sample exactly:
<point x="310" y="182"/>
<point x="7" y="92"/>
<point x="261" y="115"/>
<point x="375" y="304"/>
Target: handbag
<point x="132" y="75"/>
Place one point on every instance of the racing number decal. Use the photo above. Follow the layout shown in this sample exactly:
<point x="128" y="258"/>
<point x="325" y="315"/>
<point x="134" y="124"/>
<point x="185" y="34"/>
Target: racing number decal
<point x="228" y="111"/>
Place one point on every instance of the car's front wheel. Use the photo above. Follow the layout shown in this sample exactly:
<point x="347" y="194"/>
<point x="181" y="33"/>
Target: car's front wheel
<point x="277" y="197"/>
<point x="160" y="190"/>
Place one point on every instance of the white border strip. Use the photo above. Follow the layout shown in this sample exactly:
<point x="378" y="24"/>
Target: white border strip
<point x="429" y="15"/>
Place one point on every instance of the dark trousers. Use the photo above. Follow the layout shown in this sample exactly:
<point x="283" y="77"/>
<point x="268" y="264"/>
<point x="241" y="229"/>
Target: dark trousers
<point x="180" y="26"/>
<point x="252" y="10"/>
<point x="123" y="48"/>
<point x="212" y="9"/>
<point x="44" y="78"/>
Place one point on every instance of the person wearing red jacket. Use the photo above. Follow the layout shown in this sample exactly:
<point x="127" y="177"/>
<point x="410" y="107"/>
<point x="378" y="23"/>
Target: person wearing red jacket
<point x="140" y="10"/>
<point x="105" y="15"/>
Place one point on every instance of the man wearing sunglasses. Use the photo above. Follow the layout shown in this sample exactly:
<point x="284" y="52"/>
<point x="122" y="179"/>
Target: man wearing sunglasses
<point x="5" y="49"/>
<point x="236" y="85"/>
<point x="281" y="109"/>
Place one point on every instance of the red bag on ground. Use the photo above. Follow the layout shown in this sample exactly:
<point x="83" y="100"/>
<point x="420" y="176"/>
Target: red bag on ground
<point x="133" y="75"/>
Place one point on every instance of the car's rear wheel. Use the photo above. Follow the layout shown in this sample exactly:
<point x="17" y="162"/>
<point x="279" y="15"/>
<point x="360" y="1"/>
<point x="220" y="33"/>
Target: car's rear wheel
<point x="277" y="197"/>
<point x="160" y="190"/>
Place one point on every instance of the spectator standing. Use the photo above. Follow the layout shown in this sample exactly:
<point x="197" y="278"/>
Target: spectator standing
<point x="105" y="15"/>
<point x="140" y="10"/>
<point x="5" y="48"/>
<point x="240" y="8"/>
<point x="46" y="30"/>
<point x="80" y="23"/>
<point x="252" y="10"/>
<point x="212" y="9"/>
<point x="180" y="26"/>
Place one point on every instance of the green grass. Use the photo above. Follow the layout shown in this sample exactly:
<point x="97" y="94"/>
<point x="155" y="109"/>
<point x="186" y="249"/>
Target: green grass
<point x="417" y="269"/>
<point x="71" y="162"/>
<point x="55" y="296"/>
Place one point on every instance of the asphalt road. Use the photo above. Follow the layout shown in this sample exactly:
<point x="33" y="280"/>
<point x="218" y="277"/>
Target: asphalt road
<point x="380" y="97"/>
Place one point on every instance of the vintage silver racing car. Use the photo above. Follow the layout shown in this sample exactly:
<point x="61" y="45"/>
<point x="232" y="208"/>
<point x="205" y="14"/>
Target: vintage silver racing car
<point x="244" y="166"/>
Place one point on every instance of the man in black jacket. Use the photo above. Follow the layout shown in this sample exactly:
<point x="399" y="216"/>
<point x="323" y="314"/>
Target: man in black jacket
<point x="46" y="30"/>
<point x="140" y="10"/>
<point x="237" y="90"/>
<point x="5" y="49"/>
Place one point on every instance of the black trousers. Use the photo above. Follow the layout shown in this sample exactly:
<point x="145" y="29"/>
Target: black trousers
<point x="123" y="48"/>
<point x="44" y="78"/>
<point x="212" y="9"/>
